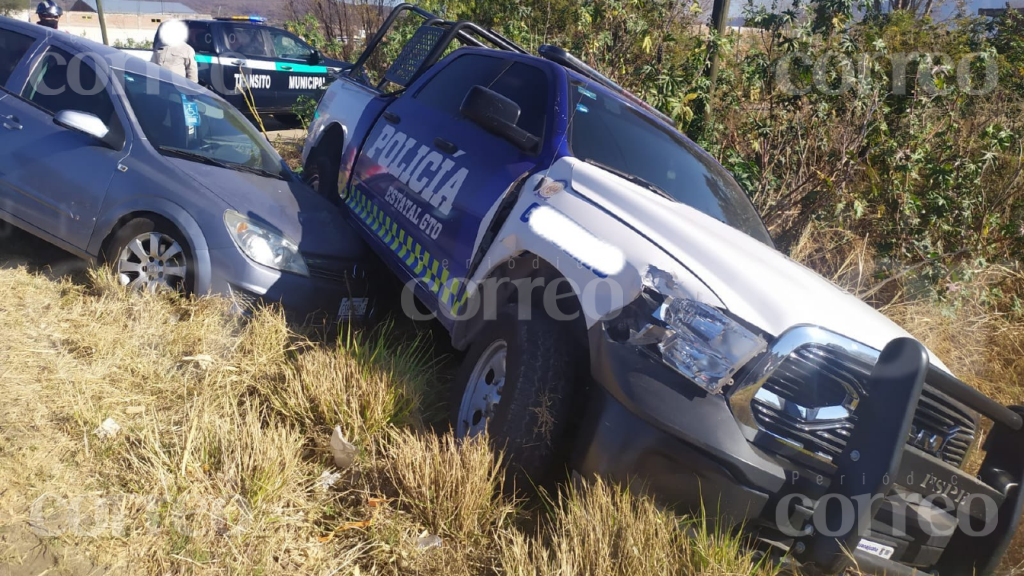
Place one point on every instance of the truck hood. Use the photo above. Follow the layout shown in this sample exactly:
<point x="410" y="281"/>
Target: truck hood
<point x="294" y="209"/>
<point x="752" y="280"/>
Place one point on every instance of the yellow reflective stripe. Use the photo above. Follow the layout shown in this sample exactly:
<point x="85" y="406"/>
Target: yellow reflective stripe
<point x="419" y="259"/>
<point x="446" y="291"/>
<point x="435" y="286"/>
<point x="429" y="271"/>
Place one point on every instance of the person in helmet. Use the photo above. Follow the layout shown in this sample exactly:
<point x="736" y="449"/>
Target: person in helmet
<point x="49" y="14"/>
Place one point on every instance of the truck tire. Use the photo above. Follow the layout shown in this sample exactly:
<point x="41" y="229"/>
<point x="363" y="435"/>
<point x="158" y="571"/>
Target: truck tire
<point x="321" y="173"/>
<point x="516" y="382"/>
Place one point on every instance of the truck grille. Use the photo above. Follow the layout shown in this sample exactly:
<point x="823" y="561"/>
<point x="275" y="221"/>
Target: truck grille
<point x="810" y="397"/>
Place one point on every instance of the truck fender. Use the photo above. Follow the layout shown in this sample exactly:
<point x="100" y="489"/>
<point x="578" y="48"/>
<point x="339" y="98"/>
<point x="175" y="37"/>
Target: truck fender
<point x="602" y="258"/>
<point x="343" y="105"/>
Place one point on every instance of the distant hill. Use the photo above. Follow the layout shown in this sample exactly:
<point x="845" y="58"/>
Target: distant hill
<point x="276" y="11"/>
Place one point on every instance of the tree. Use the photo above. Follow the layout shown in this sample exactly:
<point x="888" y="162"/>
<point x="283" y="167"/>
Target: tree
<point x="7" y="7"/>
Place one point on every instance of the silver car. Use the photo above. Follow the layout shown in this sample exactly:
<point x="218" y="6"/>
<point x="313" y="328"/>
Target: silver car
<point x="112" y="158"/>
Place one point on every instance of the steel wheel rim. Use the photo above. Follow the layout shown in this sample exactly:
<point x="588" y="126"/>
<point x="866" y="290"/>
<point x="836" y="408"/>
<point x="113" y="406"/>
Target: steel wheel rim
<point x="314" y="182"/>
<point x="483" y="391"/>
<point x="152" y="262"/>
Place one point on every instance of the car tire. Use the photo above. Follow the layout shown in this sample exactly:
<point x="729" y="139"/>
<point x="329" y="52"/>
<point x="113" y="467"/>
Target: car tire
<point x="530" y="366"/>
<point x="150" y="254"/>
<point x="321" y="173"/>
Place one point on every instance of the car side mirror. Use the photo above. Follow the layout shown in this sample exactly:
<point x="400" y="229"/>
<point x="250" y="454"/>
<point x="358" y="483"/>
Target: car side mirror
<point x="498" y="115"/>
<point x="316" y="58"/>
<point x="82" y="122"/>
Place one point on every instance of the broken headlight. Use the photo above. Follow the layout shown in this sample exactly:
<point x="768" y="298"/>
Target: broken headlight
<point x="698" y="341"/>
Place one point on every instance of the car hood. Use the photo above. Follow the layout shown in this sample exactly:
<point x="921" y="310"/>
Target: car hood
<point x="294" y="209"/>
<point x="753" y="281"/>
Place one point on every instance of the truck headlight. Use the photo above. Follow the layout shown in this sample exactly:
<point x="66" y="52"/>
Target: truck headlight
<point x="263" y="245"/>
<point x="703" y="344"/>
<point x="698" y="341"/>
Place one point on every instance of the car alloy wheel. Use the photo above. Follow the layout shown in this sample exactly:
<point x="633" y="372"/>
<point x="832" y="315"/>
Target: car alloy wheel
<point x="152" y="262"/>
<point x="483" y="391"/>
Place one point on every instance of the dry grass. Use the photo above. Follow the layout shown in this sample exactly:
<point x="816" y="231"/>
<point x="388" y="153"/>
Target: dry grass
<point x="601" y="529"/>
<point x="225" y="437"/>
<point x="225" y="428"/>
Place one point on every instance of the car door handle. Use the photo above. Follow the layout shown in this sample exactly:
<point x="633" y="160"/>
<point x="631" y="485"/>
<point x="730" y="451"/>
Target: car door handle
<point x="12" y="122"/>
<point x="286" y="68"/>
<point x="445" y="146"/>
<point x="238" y="62"/>
<point x="392" y="117"/>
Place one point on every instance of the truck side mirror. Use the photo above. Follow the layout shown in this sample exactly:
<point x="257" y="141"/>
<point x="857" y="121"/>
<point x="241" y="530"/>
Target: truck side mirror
<point x="498" y="115"/>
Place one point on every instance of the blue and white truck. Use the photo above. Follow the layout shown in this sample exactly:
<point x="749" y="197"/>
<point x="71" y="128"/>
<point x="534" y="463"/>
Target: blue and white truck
<point x="623" y="312"/>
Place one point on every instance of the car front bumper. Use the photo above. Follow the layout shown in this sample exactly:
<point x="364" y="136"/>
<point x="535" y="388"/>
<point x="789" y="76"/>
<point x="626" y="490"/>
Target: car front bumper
<point x="335" y="291"/>
<point x="646" y="425"/>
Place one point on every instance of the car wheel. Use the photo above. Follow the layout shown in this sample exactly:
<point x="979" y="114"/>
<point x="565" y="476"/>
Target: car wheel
<point x="321" y="172"/>
<point x="516" y="382"/>
<point x="150" y="255"/>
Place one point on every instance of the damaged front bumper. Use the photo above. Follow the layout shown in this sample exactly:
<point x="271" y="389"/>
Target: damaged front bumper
<point x="898" y="508"/>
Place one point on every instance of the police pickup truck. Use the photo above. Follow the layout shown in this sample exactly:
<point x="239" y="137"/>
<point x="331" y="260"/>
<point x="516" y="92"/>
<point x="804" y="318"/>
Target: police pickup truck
<point x="240" y="53"/>
<point x="620" y="304"/>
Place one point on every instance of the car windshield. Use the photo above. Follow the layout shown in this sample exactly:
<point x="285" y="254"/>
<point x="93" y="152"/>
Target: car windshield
<point x="198" y="127"/>
<point x="606" y="132"/>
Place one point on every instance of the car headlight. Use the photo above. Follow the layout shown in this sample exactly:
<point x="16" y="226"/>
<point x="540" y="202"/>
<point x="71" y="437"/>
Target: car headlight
<point x="263" y="245"/>
<point x="697" y="340"/>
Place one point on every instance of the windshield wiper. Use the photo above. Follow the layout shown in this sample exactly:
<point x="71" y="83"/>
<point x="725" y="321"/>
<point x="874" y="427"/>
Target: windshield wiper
<point x="193" y="156"/>
<point x="196" y="157"/>
<point x="255" y="170"/>
<point x="633" y="178"/>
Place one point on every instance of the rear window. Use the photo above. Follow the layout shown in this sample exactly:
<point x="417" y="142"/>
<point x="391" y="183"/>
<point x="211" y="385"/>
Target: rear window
<point x="13" y="47"/>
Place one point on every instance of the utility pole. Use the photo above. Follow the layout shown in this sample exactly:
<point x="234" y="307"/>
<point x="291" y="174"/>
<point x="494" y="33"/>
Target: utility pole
<point x="719" y="20"/>
<point x="103" y="22"/>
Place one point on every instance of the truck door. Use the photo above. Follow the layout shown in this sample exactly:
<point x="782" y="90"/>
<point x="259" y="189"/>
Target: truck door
<point x="248" y="59"/>
<point x="299" y="72"/>
<point x="427" y="176"/>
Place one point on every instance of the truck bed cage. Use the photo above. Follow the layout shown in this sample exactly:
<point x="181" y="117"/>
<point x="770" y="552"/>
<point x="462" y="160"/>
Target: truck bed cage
<point x="435" y="34"/>
<point x="428" y="44"/>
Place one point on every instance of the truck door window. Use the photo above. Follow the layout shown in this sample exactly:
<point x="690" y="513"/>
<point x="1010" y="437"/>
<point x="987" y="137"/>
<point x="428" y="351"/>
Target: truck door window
<point x="449" y="86"/>
<point x="289" y="47"/>
<point x="527" y="86"/>
<point x="13" y="47"/>
<point x="200" y="38"/>
<point x="247" y="40"/>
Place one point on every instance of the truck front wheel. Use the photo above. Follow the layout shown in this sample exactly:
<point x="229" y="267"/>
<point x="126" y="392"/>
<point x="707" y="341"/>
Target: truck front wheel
<point x="321" y="173"/>
<point x="516" y="382"/>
